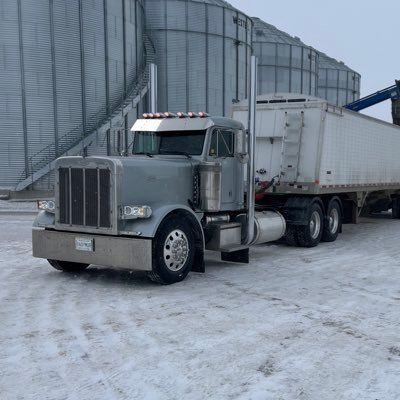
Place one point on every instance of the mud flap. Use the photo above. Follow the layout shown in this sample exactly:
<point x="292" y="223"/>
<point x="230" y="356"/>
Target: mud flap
<point x="198" y="264"/>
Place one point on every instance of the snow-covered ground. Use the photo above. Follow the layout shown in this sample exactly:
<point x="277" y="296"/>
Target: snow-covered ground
<point x="320" y="323"/>
<point x="17" y="206"/>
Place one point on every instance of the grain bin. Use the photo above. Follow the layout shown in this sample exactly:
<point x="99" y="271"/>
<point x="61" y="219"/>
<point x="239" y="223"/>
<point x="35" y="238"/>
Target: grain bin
<point x="203" y="54"/>
<point x="64" y="65"/>
<point x="337" y="83"/>
<point x="286" y="64"/>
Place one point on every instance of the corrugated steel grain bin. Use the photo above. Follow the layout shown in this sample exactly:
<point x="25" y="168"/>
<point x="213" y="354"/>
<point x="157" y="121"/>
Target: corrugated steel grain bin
<point x="203" y="54"/>
<point x="337" y="83"/>
<point x="286" y="64"/>
<point x="64" y="66"/>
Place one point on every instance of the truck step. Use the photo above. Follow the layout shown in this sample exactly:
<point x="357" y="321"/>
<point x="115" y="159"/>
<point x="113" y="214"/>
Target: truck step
<point x="224" y="236"/>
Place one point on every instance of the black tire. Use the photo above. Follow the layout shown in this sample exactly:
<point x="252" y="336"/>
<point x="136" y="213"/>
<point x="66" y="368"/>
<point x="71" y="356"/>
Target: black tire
<point x="396" y="208"/>
<point x="310" y="235"/>
<point x="168" y="269"/>
<point x="291" y="235"/>
<point x="67" y="266"/>
<point x="333" y="222"/>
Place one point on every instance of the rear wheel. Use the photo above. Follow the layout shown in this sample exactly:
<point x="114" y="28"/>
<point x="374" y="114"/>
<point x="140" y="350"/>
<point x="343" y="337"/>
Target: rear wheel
<point x="310" y="235"/>
<point x="173" y="252"/>
<point x="67" y="266"/>
<point x="291" y="235"/>
<point x="333" y="222"/>
<point x="396" y="208"/>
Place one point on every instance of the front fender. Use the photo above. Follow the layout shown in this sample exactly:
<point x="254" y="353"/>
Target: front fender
<point x="148" y="227"/>
<point x="44" y="219"/>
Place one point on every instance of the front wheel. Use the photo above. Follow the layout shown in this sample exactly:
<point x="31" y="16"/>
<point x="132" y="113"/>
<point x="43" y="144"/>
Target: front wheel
<point x="310" y="235"/>
<point x="67" y="266"/>
<point x="173" y="252"/>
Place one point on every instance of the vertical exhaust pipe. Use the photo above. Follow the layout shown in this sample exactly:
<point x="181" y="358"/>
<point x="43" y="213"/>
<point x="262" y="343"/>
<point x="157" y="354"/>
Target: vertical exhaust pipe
<point x="251" y="150"/>
<point x="396" y="106"/>
<point x="153" y="88"/>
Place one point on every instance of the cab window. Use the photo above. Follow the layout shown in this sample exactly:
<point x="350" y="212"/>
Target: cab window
<point x="222" y="143"/>
<point x="169" y="142"/>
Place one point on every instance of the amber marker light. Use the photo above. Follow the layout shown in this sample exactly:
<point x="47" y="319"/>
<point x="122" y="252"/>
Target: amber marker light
<point x="168" y="114"/>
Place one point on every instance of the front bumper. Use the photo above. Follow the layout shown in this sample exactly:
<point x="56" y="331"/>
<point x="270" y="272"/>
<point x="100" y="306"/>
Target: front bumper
<point x="113" y="251"/>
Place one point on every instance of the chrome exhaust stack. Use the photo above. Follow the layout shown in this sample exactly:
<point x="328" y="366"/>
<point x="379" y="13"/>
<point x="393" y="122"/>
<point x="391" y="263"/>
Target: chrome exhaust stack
<point x="251" y="140"/>
<point x="153" y="88"/>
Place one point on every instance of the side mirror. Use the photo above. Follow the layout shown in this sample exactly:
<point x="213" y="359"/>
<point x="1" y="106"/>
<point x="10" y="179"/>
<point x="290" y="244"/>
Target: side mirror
<point x="241" y="146"/>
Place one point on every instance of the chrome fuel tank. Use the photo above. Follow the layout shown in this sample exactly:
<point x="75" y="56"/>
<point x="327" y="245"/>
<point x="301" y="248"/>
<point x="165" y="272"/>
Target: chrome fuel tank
<point x="268" y="226"/>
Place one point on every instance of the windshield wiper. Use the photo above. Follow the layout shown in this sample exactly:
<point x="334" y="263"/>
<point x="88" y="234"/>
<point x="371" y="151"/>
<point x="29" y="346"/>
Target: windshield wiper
<point x="182" y="153"/>
<point x="141" y="153"/>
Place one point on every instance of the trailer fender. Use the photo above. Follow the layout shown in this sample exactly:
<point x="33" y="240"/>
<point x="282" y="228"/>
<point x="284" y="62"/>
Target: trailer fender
<point x="296" y="209"/>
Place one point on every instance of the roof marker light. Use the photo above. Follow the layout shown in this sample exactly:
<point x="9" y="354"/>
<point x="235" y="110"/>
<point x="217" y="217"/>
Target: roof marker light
<point x="168" y="114"/>
<point x="192" y="115"/>
<point x="150" y="115"/>
<point x="145" y="115"/>
<point x="159" y="115"/>
<point x="181" y="115"/>
<point x="203" y="114"/>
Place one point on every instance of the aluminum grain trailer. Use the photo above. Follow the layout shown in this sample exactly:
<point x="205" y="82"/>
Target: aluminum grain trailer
<point x="321" y="165"/>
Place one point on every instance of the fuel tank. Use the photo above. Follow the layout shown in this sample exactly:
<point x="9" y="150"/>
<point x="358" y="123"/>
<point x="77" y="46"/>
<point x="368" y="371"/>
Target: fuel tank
<point x="268" y="226"/>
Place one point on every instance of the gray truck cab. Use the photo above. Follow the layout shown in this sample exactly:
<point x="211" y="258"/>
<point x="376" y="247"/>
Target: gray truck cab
<point x="179" y="192"/>
<point x="213" y="140"/>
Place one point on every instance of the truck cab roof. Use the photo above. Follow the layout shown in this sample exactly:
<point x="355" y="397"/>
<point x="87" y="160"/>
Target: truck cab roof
<point x="183" y="124"/>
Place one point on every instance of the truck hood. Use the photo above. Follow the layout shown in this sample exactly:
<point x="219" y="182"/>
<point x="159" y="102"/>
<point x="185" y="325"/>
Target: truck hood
<point x="152" y="181"/>
<point x="159" y="182"/>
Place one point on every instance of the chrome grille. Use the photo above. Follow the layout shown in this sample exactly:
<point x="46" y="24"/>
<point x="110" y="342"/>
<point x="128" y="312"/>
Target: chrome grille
<point x="84" y="197"/>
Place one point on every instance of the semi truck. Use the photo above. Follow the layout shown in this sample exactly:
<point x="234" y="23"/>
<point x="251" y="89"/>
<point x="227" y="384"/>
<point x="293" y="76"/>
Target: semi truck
<point x="284" y="166"/>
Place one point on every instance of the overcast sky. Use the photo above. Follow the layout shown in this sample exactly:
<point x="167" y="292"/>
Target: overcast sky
<point x="365" y="35"/>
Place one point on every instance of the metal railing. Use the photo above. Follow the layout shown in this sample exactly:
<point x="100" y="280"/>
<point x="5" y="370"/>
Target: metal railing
<point x="44" y="158"/>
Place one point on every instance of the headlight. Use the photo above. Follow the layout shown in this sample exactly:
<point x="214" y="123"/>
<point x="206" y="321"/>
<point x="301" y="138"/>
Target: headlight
<point x="47" y="205"/>
<point x="133" y="212"/>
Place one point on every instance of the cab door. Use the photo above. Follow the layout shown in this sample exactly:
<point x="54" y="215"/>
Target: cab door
<point x="222" y="150"/>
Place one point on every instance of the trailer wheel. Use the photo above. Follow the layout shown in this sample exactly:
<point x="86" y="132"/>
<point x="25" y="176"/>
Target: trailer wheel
<point x="310" y="235"/>
<point x="291" y="235"/>
<point x="67" y="266"/>
<point x="173" y="252"/>
<point x="333" y="222"/>
<point x="396" y="208"/>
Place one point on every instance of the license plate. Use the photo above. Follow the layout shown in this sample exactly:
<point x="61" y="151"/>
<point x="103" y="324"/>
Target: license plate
<point x="83" y="244"/>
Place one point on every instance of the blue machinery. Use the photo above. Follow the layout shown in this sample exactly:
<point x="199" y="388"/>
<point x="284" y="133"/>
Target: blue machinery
<point x="392" y="92"/>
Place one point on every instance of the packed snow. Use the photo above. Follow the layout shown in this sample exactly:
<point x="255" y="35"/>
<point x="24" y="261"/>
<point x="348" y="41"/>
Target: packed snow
<point x="18" y="206"/>
<point x="321" y="323"/>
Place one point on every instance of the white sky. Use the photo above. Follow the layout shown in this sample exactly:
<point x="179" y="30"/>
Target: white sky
<point x="365" y="35"/>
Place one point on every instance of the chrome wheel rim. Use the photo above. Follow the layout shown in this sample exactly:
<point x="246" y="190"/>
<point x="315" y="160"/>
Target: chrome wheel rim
<point x="176" y="250"/>
<point x="315" y="224"/>
<point x="333" y="220"/>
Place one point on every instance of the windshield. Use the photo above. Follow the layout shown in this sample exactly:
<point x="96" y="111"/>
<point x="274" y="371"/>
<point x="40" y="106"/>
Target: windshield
<point x="171" y="142"/>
